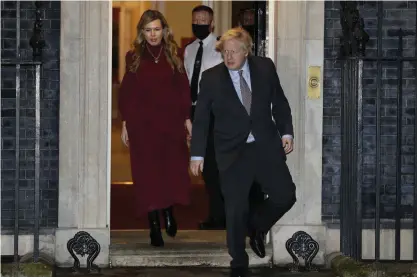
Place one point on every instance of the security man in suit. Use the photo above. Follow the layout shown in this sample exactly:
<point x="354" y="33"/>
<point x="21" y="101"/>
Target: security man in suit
<point x="199" y="56"/>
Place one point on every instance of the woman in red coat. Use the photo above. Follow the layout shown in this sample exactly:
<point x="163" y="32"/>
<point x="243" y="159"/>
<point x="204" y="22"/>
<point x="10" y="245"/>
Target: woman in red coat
<point x="154" y="105"/>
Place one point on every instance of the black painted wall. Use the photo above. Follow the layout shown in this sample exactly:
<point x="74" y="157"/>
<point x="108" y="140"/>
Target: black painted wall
<point x="396" y="15"/>
<point x="49" y="116"/>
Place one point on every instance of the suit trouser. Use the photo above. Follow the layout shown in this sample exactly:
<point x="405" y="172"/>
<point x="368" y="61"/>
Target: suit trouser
<point x="271" y="172"/>
<point x="211" y="179"/>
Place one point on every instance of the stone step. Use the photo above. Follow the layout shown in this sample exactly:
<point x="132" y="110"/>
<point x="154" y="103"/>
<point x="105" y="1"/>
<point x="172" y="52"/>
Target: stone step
<point x="189" y="248"/>
<point x="192" y="254"/>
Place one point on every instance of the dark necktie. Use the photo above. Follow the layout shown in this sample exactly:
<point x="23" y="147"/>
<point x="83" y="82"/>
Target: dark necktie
<point x="246" y="92"/>
<point x="196" y="73"/>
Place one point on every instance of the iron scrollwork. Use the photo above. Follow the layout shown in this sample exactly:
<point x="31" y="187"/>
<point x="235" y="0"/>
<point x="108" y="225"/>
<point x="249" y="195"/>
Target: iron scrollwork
<point x="84" y="244"/>
<point x="302" y="245"/>
<point x="354" y="39"/>
<point x="36" y="41"/>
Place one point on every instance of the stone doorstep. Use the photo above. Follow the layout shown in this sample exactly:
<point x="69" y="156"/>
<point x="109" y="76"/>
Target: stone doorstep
<point x="189" y="248"/>
<point x="179" y="254"/>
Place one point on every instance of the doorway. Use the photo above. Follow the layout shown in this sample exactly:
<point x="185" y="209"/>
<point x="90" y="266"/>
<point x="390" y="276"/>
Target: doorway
<point x="125" y="17"/>
<point x="126" y="228"/>
<point x="129" y="235"/>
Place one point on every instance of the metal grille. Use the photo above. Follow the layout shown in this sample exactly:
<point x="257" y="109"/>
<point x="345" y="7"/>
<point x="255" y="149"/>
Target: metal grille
<point x="37" y="43"/>
<point x="354" y="129"/>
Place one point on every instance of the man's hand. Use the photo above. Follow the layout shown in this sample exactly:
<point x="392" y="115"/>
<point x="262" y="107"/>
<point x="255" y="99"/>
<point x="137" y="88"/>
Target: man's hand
<point x="288" y="144"/>
<point x="196" y="167"/>
<point x="189" y="126"/>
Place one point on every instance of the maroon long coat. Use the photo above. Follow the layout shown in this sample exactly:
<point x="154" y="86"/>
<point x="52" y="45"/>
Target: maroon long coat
<point x="155" y="102"/>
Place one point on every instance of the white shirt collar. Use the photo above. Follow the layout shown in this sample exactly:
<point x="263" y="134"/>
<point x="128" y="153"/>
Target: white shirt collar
<point x="207" y="40"/>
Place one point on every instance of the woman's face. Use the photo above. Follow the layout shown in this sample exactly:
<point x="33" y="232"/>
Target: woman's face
<point x="153" y="32"/>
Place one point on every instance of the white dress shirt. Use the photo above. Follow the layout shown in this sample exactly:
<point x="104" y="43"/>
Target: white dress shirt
<point x="234" y="75"/>
<point x="210" y="56"/>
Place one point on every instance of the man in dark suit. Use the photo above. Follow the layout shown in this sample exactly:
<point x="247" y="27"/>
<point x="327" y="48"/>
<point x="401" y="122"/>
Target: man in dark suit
<point x="251" y="142"/>
<point x="200" y="55"/>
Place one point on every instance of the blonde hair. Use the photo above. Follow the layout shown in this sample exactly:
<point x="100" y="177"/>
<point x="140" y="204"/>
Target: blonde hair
<point x="239" y="34"/>
<point x="170" y="46"/>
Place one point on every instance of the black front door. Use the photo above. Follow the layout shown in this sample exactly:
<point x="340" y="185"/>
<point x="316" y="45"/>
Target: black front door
<point x="251" y="15"/>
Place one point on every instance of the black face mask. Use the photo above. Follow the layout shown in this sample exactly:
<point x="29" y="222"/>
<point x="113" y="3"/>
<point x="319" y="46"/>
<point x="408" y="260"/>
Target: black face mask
<point x="201" y="31"/>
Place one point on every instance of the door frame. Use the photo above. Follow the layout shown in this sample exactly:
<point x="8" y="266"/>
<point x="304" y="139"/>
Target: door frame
<point x="271" y="37"/>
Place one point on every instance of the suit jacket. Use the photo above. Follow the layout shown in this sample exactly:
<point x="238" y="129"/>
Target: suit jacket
<point x="232" y="124"/>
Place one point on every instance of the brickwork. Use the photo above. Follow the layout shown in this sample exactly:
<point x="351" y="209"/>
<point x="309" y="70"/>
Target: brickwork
<point x="49" y="116"/>
<point x="396" y="15"/>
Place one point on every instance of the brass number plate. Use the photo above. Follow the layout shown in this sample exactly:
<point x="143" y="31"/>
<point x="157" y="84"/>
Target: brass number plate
<point x="313" y="82"/>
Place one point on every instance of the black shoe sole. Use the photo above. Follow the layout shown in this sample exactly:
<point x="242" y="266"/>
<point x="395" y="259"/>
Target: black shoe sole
<point x="256" y="251"/>
<point x="172" y="234"/>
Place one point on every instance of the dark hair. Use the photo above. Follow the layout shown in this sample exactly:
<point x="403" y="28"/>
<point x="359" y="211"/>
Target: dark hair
<point x="203" y="8"/>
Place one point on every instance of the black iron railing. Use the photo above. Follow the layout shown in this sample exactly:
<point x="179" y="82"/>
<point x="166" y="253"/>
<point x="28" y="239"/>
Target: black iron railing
<point x="37" y="43"/>
<point x="353" y="59"/>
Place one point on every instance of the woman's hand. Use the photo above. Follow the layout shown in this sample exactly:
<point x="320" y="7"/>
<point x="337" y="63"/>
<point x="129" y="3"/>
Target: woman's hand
<point x="125" y="137"/>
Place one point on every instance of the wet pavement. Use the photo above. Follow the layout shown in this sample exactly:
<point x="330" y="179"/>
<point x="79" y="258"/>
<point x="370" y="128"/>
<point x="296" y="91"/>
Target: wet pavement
<point x="191" y="272"/>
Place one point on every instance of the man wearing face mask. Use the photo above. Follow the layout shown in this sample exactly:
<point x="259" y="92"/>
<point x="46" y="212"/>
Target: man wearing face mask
<point x="199" y="56"/>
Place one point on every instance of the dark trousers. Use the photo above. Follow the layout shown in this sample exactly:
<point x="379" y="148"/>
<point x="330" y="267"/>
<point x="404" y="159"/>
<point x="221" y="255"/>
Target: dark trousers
<point x="211" y="179"/>
<point x="272" y="174"/>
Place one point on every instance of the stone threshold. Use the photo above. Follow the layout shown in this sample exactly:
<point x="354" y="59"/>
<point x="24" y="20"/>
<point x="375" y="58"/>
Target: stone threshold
<point x="189" y="248"/>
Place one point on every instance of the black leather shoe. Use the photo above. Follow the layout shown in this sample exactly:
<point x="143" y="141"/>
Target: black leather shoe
<point x="239" y="272"/>
<point x="170" y="223"/>
<point x="257" y="243"/>
<point x="155" y="229"/>
<point x="213" y="224"/>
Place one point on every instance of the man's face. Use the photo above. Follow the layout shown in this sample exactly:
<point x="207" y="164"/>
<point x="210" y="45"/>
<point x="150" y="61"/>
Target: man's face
<point x="233" y="54"/>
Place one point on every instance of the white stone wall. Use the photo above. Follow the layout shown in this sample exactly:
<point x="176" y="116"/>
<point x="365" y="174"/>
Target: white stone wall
<point x="298" y="39"/>
<point x="84" y="137"/>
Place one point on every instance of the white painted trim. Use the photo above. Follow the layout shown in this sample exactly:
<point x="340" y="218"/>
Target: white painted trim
<point x="271" y="30"/>
<point x="271" y="54"/>
<point x="208" y="3"/>
<point x="109" y="116"/>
